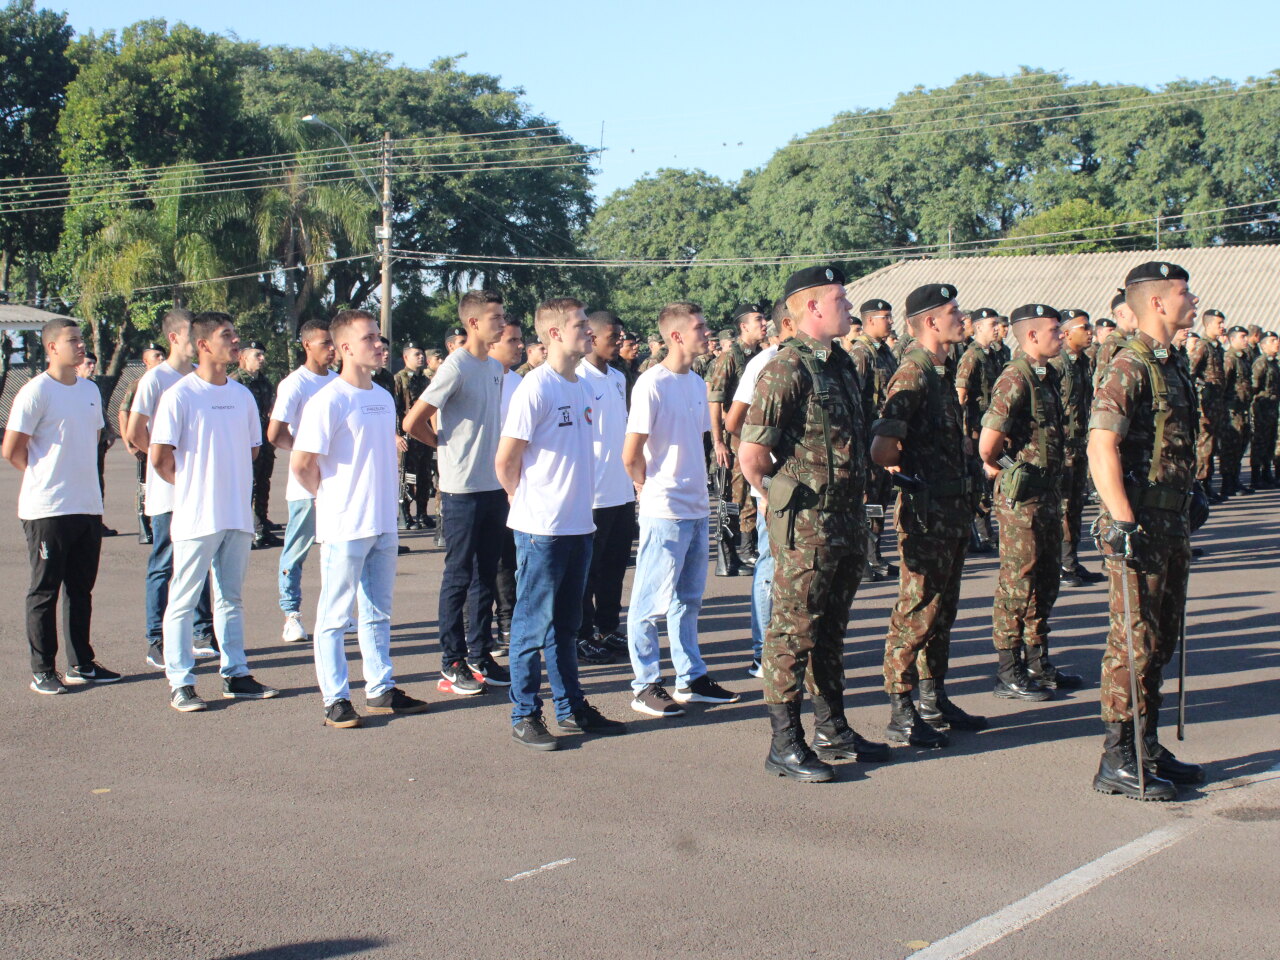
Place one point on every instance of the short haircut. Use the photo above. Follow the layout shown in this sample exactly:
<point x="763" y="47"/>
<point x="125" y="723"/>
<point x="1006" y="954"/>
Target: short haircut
<point x="345" y="318"/>
<point x="1255" y="330"/>
<point x="780" y="314"/>
<point x="1137" y="294"/>
<point x="473" y="301"/>
<point x="435" y="352"/>
<point x="674" y="312"/>
<point x="175" y="321"/>
<point x="204" y="324"/>
<point x="51" y="329"/>
<point x="600" y="319"/>
<point x="312" y="326"/>
<point x="552" y="311"/>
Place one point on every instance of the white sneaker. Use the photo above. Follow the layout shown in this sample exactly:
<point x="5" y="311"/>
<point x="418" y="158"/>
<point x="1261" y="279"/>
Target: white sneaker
<point x="294" y="631"/>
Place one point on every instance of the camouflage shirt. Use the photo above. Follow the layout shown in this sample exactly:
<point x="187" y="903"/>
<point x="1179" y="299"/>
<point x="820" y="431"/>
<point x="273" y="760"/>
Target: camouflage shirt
<point x="1002" y="352"/>
<point x="1076" y="395"/>
<point x="727" y="371"/>
<point x="874" y="363"/>
<point x="976" y="374"/>
<point x="1106" y="353"/>
<point x="905" y="343"/>
<point x="1238" y="385"/>
<point x="264" y="394"/>
<point x="1011" y="411"/>
<point x="384" y="379"/>
<point x="649" y="361"/>
<point x="1207" y="368"/>
<point x="408" y="388"/>
<point x="1266" y="380"/>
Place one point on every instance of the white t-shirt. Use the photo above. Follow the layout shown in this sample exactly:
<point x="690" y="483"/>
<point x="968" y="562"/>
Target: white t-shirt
<point x="213" y="430"/>
<point x="747" y="385"/>
<point x="672" y="409"/>
<point x="146" y="401"/>
<point x="557" y="476"/>
<point x="609" y="428"/>
<point x="62" y="457"/>
<point x="510" y="380"/>
<point x="291" y="397"/>
<point x="353" y="431"/>
<point x="468" y="393"/>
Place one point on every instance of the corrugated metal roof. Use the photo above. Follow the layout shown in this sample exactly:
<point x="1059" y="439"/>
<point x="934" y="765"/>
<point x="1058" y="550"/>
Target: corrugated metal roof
<point x="1242" y="282"/>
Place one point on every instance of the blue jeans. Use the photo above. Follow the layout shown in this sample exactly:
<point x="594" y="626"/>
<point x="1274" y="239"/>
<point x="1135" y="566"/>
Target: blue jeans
<point x="351" y="569"/>
<point x="551" y="573"/>
<point x="476" y="524"/>
<point x="761" y="590"/>
<point x="299" y="535"/>
<point x="159" y="573"/>
<point x="224" y="558"/>
<point x="671" y="573"/>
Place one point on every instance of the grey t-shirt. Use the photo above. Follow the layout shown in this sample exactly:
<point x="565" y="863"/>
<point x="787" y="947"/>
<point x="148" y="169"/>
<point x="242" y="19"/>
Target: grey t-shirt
<point x="468" y="394"/>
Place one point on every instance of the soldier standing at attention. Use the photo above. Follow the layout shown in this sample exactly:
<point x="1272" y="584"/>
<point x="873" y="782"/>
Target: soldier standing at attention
<point x="1125" y="325"/>
<point x="1002" y="351"/>
<point x="252" y="374"/>
<point x="1238" y="393"/>
<point x="803" y="446"/>
<point x="874" y="362"/>
<point x="979" y="367"/>
<point x="1142" y="458"/>
<point x="920" y="436"/>
<point x="1208" y="372"/>
<point x="1076" y="395"/>
<point x="1024" y="423"/>
<point x="415" y="459"/>
<point x="1266" y="411"/>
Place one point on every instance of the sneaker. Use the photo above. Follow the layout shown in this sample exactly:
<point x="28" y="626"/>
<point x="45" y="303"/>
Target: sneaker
<point x="656" y="702"/>
<point x="458" y="678"/>
<point x="587" y="719"/>
<point x="246" y="688"/>
<point x="755" y="670"/>
<point x="704" y="690"/>
<point x="94" y="673"/>
<point x="184" y="700"/>
<point x="488" y="670"/>
<point x="155" y="654"/>
<point x="532" y="732"/>
<point x="590" y="652"/>
<point x="341" y="714"/>
<point x="294" y="631"/>
<point x="394" y="700"/>
<point x="206" y="647"/>
<point x="612" y="641"/>
<point x="48" y="682"/>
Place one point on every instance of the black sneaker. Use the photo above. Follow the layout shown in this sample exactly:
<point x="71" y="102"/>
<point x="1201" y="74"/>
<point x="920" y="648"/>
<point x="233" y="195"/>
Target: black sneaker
<point x="155" y="654"/>
<point x="612" y="641"/>
<point x="656" y="702"/>
<point x="394" y="700"/>
<point x="94" y="673"/>
<point x="206" y="647"/>
<point x="532" y="732"/>
<point x="48" y="682"/>
<point x="341" y="714"/>
<point x="458" y="678"/>
<point x="486" y="670"/>
<point x="587" y="719"/>
<point x="184" y="700"/>
<point x="590" y="652"/>
<point x="246" y="688"/>
<point x="704" y="690"/>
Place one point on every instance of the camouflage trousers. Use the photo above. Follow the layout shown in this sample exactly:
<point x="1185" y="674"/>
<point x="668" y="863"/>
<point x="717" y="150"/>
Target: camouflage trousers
<point x="1212" y="423"/>
<point x="1231" y="443"/>
<point x="1075" y="484"/>
<point x="918" y="645"/>
<point x="814" y="583"/>
<point x="416" y="463"/>
<point x="880" y="493"/>
<point x="1157" y="578"/>
<point x="743" y="498"/>
<point x="1262" y="444"/>
<point x="263" y="464"/>
<point x="1028" y="582"/>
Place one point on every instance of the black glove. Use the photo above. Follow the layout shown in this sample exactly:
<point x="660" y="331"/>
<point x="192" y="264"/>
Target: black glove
<point x="907" y="482"/>
<point x="1119" y="538"/>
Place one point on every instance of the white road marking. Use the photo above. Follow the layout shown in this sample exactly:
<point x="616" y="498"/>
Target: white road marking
<point x="546" y="866"/>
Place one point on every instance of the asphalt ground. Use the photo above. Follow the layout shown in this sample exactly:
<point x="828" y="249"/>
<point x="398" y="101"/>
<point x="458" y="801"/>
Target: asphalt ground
<point x="252" y="831"/>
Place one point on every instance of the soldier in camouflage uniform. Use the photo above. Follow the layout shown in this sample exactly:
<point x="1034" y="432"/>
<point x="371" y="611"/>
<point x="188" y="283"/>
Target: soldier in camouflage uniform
<point x="976" y="374"/>
<point x="1003" y="351"/>
<point x="723" y="382"/>
<point x="1103" y="328"/>
<point x="1237" y="392"/>
<point x="1142" y="457"/>
<point x="874" y="363"/>
<point x="1266" y="411"/>
<point x="1126" y="323"/>
<point x="657" y="353"/>
<point x="252" y="373"/>
<point x="1076" y="394"/>
<point x="803" y="445"/>
<point x="920" y="436"/>
<point x="1207" y="365"/>
<point x="1023" y="449"/>
<point x="415" y="460"/>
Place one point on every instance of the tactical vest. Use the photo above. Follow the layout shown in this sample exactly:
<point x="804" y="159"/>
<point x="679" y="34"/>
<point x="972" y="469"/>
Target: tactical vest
<point x="1154" y="494"/>
<point x="822" y="390"/>
<point x="935" y="385"/>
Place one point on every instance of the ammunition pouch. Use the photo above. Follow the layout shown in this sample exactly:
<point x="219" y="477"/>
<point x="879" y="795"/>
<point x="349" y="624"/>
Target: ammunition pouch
<point x="1023" y="481"/>
<point x="1158" y="496"/>
<point x="787" y="497"/>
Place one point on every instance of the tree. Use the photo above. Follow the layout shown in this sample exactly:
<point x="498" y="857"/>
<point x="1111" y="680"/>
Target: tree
<point x="1076" y="226"/>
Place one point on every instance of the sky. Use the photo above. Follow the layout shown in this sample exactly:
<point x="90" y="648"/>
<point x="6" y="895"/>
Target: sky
<point x="720" y="86"/>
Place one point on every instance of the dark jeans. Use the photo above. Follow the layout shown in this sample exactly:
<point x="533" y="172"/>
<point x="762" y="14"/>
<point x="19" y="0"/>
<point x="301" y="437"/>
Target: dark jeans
<point x="477" y="527"/>
<point x="64" y="553"/>
<point x="159" y="573"/>
<point x="611" y="552"/>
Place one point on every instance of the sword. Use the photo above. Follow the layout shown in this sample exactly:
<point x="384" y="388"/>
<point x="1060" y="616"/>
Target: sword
<point x="1138" y="745"/>
<point x="1182" y="676"/>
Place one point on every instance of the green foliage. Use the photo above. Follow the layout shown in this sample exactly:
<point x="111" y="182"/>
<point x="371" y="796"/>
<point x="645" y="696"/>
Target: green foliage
<point x="1077" y="226"/>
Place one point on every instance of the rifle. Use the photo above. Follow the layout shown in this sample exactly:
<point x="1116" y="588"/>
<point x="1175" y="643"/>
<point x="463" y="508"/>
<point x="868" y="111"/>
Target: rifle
<point x="144" y="522"/>
<point x="728" y="533"/>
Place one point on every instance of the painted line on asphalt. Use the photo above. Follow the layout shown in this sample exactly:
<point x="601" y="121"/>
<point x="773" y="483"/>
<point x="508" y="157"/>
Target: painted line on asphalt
<point x="542" y="869"/>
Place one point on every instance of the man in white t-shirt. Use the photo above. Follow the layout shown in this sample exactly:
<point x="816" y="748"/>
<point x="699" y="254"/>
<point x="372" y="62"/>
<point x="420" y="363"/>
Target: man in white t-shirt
<point x="613" y="498"/>
<point x="175" y="327"/>
<point x="344" y="455"/>
<point x="300" y="530"/>
<point x="52" y="437"/>
<point x="205" y="435"/>
<point x="663" y="454"/>
<point x="547" y="467"/>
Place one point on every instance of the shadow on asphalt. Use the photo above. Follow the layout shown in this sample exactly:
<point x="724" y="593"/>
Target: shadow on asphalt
<point x="313" y="950"/>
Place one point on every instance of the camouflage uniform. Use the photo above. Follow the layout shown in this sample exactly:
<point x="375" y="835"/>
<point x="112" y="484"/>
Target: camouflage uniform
<point x="976" y="374"/>
<point x="1238" y="394"/>
<point x="1106" y="353"/>
<point x="1076" y="395"/>
<point x="1002" y="352"/>
<point x="385" y="380"/>
<point x="416" y="460"/>
<point x="905" y="343"/>
<point x="875" y="364"/>
<point x="264" y="395"/>
<point x="725" y="374"/>
<point x="650" y="360"/>
<point x="1266" y="414"/>
<point x="1207" y="371"/>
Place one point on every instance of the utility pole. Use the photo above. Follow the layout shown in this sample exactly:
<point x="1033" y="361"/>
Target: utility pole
<point x="1157" y="231"/>
<point x="384" y="234"/>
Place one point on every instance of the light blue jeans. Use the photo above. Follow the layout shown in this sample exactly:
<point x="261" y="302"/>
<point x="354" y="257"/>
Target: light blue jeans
<point x="299" y="535"/>
<point x="363" y="569"/>
<point x="761" y="589"/>
<point x="671" y="573"/>
<point x="221" y="558"/>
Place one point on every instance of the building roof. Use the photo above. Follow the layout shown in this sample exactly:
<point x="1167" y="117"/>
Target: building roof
<point x="15" y="316"/>
<point x="1243" y="282"/>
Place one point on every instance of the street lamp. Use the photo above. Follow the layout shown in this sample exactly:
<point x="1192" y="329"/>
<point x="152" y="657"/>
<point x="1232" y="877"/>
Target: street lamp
<point x="382" y="233"/>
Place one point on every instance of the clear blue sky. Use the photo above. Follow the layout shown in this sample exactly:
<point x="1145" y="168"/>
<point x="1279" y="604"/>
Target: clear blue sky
<point x="721" y="85"/>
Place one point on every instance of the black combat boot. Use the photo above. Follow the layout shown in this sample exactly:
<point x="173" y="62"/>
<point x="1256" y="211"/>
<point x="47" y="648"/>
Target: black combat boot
<point x="1070" y="577"/>
<point x="1012" y="682"/>
<point x="749" y="553"/>
<point x="834" y="739"/>
<point x="789" y="755"/>
<point x="905" y="725"/>
<point x="1161" y="762"/>
<point x="1045" y="673"/>
<point x="1087" y="575"/>
<point x="937" y="710"/>
<point x="1118" y="769"/>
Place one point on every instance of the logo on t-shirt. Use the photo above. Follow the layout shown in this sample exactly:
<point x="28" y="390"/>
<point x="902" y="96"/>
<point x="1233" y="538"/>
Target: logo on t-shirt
<point x="586" y="414"/>
<point x="374" y="408"/>
<point x="566" y="416"/>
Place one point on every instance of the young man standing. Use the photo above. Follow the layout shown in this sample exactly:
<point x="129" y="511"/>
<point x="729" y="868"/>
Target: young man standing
<point x="205" y="436"/>
<point x="547" y="467"/>
<point x="151" y="356"/>
<point x="52" y="437"/>
<point x="344" y="455"/>
<point x="663" y="455"/>
<point x="300" y="532"/>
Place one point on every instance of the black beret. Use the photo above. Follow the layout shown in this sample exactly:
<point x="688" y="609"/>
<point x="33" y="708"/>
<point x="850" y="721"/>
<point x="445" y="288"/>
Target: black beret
<point x="1073" y="313"/>
<point x="855" y="321"/>
<point x="155" y="346"/>
<point x="255" y="345"/>
<point x="871" y="306"/>
<point x="742" y="309"/>
<point x="1155" y="270"/>
<point x="929" y="296"/>
<point x="411" y="345"/>
<point x="627" y="335"/>
<point x="1237" y="329"/>
<point x="1270" y="335"/>
<point x="812" y="277"/>
<point x="1105" y="322"/>
<point x="456" y="332"/>
<point x="1033" y="311"/>
<point x="1214" y="313"/>
<point x="1117" y="299"/>
<point x="984" y="313"/>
